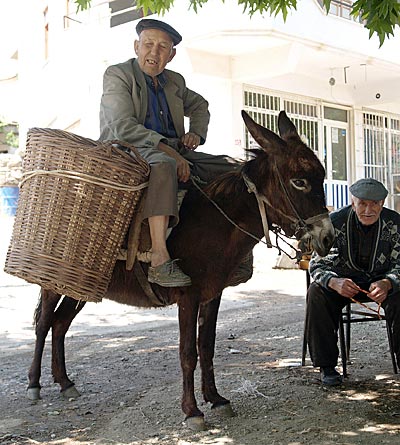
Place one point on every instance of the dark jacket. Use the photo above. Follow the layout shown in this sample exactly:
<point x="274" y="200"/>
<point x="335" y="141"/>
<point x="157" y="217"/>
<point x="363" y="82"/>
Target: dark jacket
<point x="340" y="262"/>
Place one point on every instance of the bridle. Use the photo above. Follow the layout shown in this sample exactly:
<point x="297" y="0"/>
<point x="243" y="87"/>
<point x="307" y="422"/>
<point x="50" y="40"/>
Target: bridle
<point x="298" y="223"/>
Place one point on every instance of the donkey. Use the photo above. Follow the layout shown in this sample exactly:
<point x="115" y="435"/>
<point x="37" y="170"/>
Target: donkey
<point x="281" y="186"/>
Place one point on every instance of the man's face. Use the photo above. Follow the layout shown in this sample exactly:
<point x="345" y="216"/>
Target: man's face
<point x="367" y="211"/>
<point x="154" y="50"/>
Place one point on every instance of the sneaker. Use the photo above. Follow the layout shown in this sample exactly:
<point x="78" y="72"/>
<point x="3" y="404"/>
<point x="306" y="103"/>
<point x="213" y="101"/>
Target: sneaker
<point x="168" y="275"/>
<point x="330" y="377"/>
<point x="243" y="272"/>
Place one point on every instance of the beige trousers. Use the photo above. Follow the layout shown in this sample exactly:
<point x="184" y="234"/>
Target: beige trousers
<point x="161" y="195"/>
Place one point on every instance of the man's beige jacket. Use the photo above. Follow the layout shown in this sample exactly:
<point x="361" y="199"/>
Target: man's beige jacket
<point x="124" y="102"/>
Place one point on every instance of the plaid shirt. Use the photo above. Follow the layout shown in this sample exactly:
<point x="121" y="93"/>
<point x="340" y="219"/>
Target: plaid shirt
<point x="343" y="259"/>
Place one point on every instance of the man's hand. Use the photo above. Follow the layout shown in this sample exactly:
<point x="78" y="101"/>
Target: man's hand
<point x="182" y="165"/>
<point x="190" y="141"/>
<point x="379" y="290"/>
<point x="344" y="287"/>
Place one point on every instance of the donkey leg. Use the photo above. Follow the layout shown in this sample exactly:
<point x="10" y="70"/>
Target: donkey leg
<point x="43" y="320"/>
<point x="207" y="331"/>
<point x="188" y="312"/>
<point x="65" y="313"/>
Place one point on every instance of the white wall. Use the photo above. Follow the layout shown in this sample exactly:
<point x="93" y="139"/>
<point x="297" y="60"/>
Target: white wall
<point x="222" y="48"/>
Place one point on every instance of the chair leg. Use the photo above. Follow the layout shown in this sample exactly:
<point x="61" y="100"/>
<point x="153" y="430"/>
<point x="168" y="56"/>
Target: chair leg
<point x="304" y="352"/>
<point x="348" y="338"/>
<point x="342" y="347"/>
<point x="390" y="340"/>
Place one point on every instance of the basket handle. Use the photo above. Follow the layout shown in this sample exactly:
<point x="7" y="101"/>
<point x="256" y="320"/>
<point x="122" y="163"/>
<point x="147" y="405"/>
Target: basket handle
<point x="110" y="146"/>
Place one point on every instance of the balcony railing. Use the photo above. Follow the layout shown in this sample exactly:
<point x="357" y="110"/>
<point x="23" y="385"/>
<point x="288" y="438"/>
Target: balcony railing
<point x="341" y="8"/>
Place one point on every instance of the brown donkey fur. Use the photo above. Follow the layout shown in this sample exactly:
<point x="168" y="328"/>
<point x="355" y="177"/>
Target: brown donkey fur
<point x="289" y="177"/>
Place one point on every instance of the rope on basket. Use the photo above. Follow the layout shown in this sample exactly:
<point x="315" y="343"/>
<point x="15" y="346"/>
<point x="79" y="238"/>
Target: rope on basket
<point x="83" y="177"/>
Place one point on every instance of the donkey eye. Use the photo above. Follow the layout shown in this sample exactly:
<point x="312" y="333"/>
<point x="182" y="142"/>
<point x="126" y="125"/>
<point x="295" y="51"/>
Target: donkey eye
<point x="300" y="184"/>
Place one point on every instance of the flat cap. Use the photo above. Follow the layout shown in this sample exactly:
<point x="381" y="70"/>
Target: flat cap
<point x="369" y="189"/>
<point x="157" y="24"/>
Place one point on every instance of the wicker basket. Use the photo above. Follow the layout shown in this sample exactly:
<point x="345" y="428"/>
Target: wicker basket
<point x="77" y="197"/>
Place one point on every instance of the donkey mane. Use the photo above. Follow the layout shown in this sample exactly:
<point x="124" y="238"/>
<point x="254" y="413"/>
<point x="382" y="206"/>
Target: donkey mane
<point x="231" y="184"/>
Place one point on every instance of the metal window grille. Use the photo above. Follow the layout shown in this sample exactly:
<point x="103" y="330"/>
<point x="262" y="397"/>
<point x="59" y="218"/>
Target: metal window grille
<point x="264" y="107"/>
<point x="375" y="150"/>
<point x="341" y="8"/>
<point x="382" y="153"/>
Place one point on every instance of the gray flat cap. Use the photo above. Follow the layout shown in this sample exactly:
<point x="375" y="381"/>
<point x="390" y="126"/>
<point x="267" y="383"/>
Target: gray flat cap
<point x="157" y="24"/>
<point x="369" y="189"/>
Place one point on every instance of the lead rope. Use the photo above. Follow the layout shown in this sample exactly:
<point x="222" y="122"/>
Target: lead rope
<point x="227" y="217"/>
<point x="261" y="206"/>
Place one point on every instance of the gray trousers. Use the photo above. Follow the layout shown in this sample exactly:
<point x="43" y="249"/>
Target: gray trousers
<point x="161" y="195"/>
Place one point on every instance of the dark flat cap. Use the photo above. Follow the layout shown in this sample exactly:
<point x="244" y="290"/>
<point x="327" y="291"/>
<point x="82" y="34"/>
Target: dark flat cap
<point x="369" y="189"/>
<point x="157" y="24"/>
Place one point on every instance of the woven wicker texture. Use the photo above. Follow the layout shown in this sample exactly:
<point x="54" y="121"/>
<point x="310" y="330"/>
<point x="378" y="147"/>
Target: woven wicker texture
<point x="77" y="197"/>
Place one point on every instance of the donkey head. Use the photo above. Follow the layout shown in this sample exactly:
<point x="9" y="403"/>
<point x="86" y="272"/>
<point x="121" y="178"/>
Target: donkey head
<point x="290" y="177"/>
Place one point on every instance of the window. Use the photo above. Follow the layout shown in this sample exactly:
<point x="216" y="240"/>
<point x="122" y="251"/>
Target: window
<point x="264" y="106"/>
<point x="124" y="11"/>
<point x="335" y="114"/>
<point x="341" y="8"/>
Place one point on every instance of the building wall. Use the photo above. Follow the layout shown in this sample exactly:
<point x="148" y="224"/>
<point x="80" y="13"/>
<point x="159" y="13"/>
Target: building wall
<point x="222" y="51"/>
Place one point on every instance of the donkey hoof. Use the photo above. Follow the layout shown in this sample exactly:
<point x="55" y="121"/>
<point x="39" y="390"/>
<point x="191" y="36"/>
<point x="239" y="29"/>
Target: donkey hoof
<point x="70" y="393"/>
<point x="33" y="393"/>
<point x="196" y="423"/>
<point x="224" y="410"/>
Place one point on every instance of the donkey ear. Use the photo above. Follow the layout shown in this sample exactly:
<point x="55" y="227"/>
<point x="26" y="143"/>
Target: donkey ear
<point x="265" y="138"/>
<point x="286" y="126"/>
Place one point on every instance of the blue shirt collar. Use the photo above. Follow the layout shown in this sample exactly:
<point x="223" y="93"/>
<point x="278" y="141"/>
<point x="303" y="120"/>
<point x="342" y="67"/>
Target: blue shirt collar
<point x="162" y="80"/>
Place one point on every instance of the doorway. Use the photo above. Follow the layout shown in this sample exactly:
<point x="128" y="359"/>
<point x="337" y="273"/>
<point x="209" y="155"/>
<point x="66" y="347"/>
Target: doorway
<point x="336" y="156"/>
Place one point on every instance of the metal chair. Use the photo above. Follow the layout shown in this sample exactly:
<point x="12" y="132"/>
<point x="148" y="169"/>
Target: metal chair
<point x="352" y="315"/>
<point x="349" y="316"/>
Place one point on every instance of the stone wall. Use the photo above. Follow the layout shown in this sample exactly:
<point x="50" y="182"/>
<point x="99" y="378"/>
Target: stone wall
<point x="10" y="168"/>
<point x="10" y="157"/>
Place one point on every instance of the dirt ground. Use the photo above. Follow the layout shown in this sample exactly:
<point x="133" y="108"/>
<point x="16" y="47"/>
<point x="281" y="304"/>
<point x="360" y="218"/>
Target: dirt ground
<point x="124" y="361"/>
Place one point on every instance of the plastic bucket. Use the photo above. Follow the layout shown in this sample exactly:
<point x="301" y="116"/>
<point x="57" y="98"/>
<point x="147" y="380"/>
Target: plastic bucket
<point x="8" y="200"/>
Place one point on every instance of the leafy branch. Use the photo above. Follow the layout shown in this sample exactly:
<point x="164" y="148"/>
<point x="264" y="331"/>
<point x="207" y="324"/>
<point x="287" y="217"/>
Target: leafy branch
<point x="380" y="17"/>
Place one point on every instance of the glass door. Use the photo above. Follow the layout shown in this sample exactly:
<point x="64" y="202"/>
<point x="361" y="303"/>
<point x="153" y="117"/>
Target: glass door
<point x="336" y="157"/>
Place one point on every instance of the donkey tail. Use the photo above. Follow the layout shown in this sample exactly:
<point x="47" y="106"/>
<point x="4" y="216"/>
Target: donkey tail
<point x="38" y="310"/>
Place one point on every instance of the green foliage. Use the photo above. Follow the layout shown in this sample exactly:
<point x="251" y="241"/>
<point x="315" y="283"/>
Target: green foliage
<point x="81" y="5"/>
<point x="11" y="138"/>
<point x="380" y="16"/>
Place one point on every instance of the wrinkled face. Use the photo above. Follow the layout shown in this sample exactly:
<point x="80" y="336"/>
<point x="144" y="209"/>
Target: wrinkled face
<point x="367" y="211"/>
<point x="154" y="50"/>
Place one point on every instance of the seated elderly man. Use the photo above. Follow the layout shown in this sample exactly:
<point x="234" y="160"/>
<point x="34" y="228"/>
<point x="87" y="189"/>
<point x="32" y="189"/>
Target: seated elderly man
<point x="365" y="255"/>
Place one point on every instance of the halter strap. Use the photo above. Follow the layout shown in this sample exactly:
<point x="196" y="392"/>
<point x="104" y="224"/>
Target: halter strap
<point x="251" y="188"/>
<point x="299" y="222"/>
